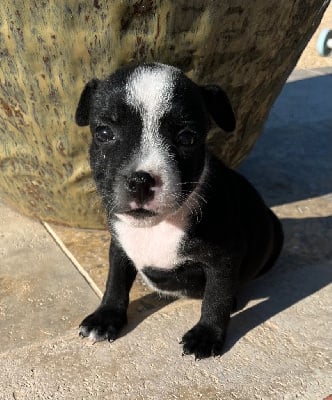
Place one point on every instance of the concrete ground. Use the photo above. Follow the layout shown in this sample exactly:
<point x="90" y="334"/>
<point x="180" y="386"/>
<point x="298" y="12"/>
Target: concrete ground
<point x="279" y="345"/>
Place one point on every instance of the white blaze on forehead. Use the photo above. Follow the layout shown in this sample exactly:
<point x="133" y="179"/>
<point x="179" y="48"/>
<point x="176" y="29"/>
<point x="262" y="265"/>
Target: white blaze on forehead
<point x="150" y="90"/>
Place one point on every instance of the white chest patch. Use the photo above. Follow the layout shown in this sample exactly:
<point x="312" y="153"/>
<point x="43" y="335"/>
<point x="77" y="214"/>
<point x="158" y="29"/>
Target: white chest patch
<point x="155" y="246"/>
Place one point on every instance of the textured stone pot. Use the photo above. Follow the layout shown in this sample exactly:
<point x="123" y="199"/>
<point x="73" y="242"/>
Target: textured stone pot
<point x="49" y="49"/>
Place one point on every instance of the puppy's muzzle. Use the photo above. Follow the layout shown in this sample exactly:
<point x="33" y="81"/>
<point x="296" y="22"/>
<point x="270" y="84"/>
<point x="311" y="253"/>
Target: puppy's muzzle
<point x="139" y="186"/>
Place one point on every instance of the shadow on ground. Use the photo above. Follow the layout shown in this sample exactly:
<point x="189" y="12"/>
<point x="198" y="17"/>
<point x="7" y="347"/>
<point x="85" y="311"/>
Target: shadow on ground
<point x="292" y="162"/>
<point x="301" y="271"/>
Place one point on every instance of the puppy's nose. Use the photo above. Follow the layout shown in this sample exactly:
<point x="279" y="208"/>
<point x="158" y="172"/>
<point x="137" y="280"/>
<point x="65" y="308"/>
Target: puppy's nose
<point x="139" y="185"/>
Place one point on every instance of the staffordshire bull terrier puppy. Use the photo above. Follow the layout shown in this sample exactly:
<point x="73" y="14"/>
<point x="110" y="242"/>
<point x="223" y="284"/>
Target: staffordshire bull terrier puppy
<point x="188" y="224"/>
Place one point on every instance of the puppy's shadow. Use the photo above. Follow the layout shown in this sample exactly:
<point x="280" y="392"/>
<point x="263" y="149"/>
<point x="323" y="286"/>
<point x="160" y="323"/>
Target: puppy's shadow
<point x="142" y="308"/>
<point x="304" y="268"/>
<point x="291" y="162"/>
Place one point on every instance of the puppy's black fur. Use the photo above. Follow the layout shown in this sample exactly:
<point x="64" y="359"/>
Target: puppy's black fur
<point x="215" y="224"/>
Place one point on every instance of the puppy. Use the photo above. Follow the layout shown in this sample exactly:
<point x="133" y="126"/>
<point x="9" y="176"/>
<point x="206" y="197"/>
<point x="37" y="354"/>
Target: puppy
<point x="178" y="216"/>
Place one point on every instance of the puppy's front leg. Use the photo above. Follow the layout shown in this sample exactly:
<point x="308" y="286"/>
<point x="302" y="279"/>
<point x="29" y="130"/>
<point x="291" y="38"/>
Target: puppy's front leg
<point x="207" y="337"/>
<point x="111" y="316"/>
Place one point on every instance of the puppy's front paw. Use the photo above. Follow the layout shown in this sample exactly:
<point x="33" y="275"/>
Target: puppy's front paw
<point x="104" y="324"/>
<point x="203" y="341"/>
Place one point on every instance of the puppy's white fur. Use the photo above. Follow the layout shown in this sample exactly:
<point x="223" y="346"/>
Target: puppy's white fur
<point x="150" y="91"/>
<point x="155" y="245"/>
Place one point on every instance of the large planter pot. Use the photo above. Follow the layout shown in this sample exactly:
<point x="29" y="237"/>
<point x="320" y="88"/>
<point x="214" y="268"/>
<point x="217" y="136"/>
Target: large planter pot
<point x="49" y="49"/>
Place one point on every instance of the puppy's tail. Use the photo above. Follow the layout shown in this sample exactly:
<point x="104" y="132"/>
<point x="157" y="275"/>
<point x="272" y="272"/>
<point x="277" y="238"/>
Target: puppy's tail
<point x="278" y="243"/>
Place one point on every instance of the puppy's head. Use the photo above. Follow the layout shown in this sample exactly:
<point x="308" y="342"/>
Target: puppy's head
<point x="149" y="125"/>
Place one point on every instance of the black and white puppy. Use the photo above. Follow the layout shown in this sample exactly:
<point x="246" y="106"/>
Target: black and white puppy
<point x="178" y="216"/>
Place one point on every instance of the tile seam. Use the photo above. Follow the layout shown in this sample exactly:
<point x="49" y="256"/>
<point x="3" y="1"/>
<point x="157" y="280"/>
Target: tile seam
<point x="72" y="259"/>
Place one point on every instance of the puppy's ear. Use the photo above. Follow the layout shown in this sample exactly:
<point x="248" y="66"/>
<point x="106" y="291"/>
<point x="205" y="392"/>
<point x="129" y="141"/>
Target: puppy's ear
<point x="219" y="107"/>
<point x="83" y="108"/>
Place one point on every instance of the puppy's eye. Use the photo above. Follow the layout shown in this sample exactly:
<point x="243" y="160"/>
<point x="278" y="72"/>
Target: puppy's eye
<point x="104" y="134"/>
<point x="186" y="137"/>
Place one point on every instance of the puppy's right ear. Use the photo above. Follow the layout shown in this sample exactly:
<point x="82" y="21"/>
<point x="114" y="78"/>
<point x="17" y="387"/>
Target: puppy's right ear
<point x="83" y="108"/>
<point x="219" y="107"/>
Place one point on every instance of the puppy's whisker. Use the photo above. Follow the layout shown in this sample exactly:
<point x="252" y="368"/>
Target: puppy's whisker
<point x="187" y="183"/>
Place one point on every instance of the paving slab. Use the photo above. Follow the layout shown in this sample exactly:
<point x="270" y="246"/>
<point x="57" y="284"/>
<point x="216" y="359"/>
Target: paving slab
<point x="41" y="293"/>
<point x="279" y="345"/>
<point x="275" y="350"/>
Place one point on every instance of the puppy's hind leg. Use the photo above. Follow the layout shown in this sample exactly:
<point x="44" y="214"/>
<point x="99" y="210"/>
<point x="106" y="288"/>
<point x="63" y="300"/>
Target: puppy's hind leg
<point x="186" y="280"/>
<point x="278" y="240"/>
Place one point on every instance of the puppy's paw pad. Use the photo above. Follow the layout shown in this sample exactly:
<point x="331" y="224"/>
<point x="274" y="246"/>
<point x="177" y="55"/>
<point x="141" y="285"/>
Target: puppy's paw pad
<point x="203" y="341"/>
<point x="103" y="324"/>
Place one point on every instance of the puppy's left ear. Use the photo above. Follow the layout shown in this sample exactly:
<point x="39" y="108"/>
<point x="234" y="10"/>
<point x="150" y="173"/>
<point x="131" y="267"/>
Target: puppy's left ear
<point x="83" y="108"/>
<point x="219" y="107"/>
